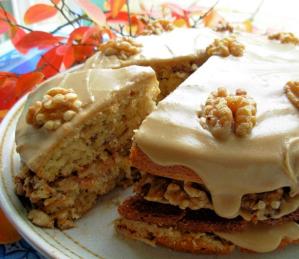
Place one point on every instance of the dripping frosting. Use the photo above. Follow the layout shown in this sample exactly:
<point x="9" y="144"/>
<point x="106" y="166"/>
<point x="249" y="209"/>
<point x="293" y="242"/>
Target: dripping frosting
<point x="172" y="134"/>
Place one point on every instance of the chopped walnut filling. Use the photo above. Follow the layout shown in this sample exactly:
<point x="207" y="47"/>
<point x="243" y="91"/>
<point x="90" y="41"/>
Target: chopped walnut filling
<point x="285" y="38"/>
<point x="225" y="113"/>
<point x="292" y="91"/>
<point x="123" y="48"/>
<point x="223" y="27"/>
<point x="195" y="196"/>
<point x="178" y="193"/>
<point x="263" y="205"/>
<point x="58" y="106"/>
<point x="156" y="26"/>
<point x="225" y="47"/>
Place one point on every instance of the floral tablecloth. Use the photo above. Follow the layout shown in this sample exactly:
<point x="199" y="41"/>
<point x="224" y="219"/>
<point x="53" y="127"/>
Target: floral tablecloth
<point x="19" y="250"/>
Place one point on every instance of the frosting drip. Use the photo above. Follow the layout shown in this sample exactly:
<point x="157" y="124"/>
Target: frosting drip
<point x="263" y="238"/>
<point x="173" y="135"/>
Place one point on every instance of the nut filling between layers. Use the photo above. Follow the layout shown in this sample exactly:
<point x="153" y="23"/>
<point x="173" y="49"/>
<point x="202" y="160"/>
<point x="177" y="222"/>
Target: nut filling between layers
<point x="194" y="196"/>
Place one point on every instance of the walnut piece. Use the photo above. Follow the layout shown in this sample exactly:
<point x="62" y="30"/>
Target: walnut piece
<point x="223" y="27"/>
<point x="292" y="92"/>
<point x="225" y="47"/>
<point x="284" y="38"/>
<point x="178" y="193"/>
<point x="224" y="113"/>
<point x="218" y="115"/>
<point x="156" y="26"/>
<point x="59" y="105"/>
<point x="263" y="205"/>
<point x="120" y="47"/>
<point x="40" y="219"/>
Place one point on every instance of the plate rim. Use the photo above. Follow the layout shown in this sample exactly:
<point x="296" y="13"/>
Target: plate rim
<point x="8" y="208"/>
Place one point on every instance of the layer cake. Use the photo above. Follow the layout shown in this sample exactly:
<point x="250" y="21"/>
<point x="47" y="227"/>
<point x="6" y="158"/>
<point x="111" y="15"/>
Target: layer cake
<point x="219" y="161"/>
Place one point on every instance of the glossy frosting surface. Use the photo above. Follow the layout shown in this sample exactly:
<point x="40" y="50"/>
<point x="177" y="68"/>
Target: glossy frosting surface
<point x="185" y="43"/>
<point x="94" y="88"/>
<point x="264" y="161"/>
<point x="176" y="44"/>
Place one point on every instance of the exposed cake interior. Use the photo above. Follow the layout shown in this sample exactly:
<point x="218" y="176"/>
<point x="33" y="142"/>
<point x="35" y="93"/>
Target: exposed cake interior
<point x="88" y="156"/>
<point x="172" y="60"/>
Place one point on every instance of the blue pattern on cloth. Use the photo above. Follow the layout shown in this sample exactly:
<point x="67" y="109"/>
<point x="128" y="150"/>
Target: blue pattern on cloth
<point x="19" y="250"/>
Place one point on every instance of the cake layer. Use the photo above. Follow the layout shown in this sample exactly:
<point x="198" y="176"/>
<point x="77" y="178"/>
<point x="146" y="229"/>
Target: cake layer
<point x="193" y="195"/>
<point x="173" y="134"/>
<point x="166" y="222"/>
<point x="61" y="202"/>
<point x="105" y="91"/>
<point x="203" y="220"/>
<point x="203" y="243"/>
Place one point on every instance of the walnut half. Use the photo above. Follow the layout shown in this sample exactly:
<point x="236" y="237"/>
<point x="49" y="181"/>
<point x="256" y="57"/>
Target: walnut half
<point x="59" y="105"/>
<point x="225" y="47"/>
<point x="120" y="47"/>
<point x="157" y="26"/>
<point x="225" y="113"/>
<point x="223" y="26"/>
<point x="292" y="92"/>
<point x="284" y="38"/>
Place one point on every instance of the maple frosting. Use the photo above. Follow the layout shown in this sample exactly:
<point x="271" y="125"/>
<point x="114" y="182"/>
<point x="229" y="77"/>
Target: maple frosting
<point x="177" y="44"/>
<point x="190" y="43"/>
<point x="259" y="47"/>
<point x="94" y="88"/>
<point x="264" y="161"/>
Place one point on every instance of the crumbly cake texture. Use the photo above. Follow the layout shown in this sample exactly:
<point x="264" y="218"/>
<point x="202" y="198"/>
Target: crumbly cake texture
<point x="66" y="169"/>
<point x="228" y="203"/>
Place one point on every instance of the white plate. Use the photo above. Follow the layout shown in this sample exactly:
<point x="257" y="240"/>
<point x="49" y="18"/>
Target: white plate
<point x="94" y="235"/>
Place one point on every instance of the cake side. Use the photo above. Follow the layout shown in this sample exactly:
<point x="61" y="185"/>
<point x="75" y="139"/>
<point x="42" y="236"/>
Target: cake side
<point x="217" y="158"/>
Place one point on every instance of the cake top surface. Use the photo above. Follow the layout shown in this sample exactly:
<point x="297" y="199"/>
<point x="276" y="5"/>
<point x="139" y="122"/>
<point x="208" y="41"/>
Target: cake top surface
<point x="93" y="87"/>
<point x="260" y="47"/>
<point x="191" y="43"/>
<point x="176" y="44"/>
<point x="263" y="161"/>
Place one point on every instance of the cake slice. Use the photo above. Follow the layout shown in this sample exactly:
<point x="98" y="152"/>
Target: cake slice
<point x="74" y="137"/>
<point x="219" y="161"/>
<point x="174" y="55"/>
